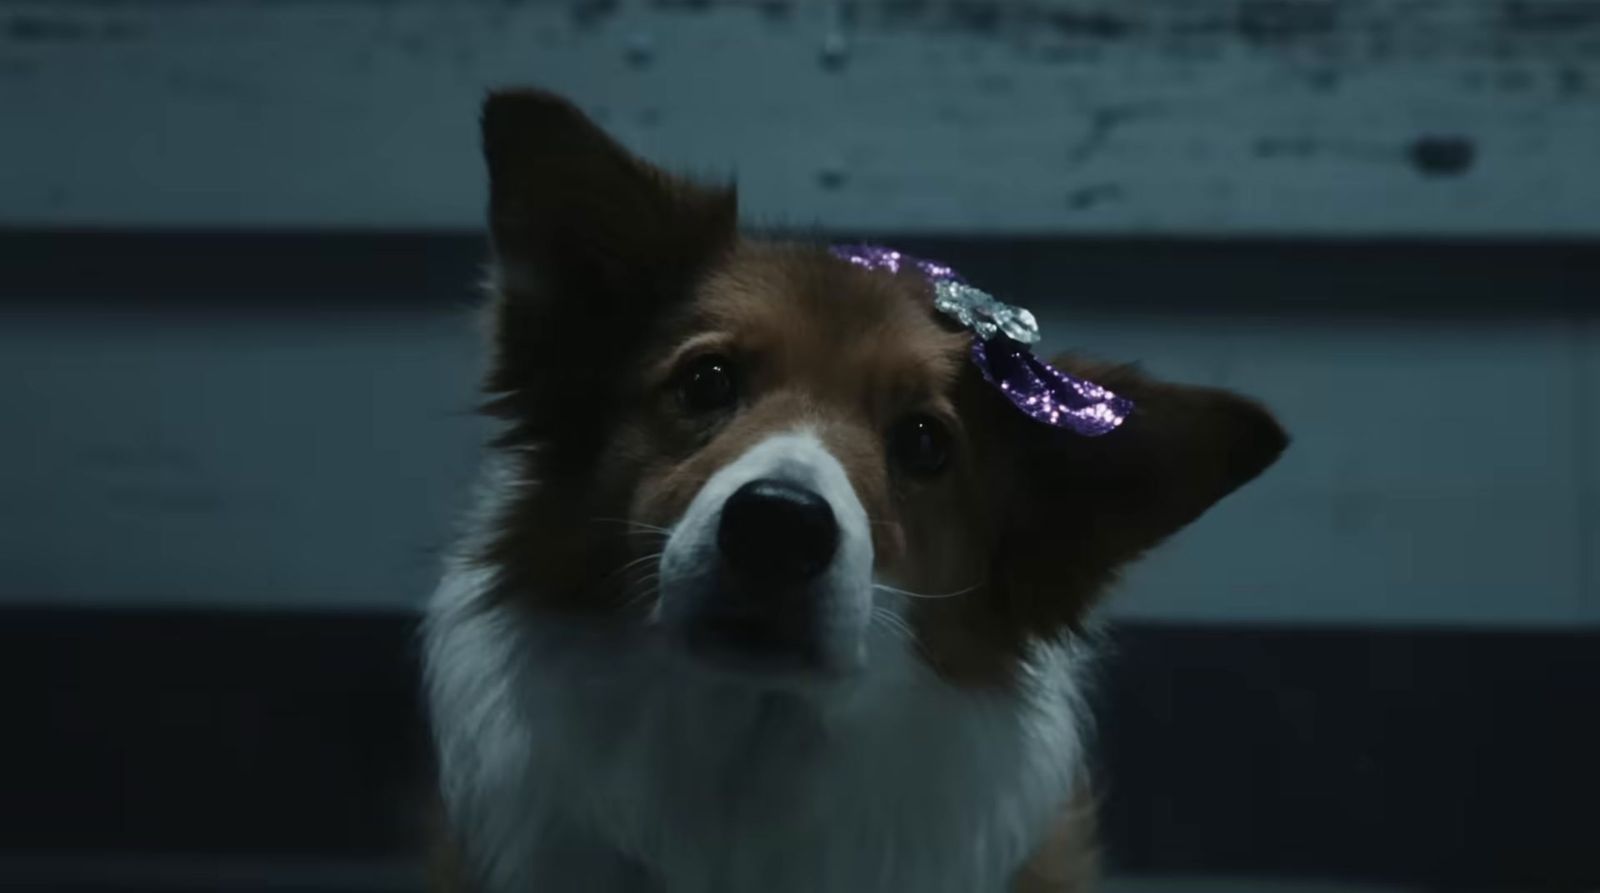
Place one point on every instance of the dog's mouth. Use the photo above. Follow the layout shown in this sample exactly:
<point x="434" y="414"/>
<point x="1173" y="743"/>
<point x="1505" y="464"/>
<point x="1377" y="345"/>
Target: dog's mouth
<point x="732" y="632"/>
<point x="769" y="634"/>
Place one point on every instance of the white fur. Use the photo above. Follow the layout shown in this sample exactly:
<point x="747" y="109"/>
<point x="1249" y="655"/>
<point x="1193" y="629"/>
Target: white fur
<point x="586" y="759"/>
<point x="843" y="592"/>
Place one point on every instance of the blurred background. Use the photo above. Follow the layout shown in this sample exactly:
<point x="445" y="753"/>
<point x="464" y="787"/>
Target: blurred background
<point x="239" y="242"/>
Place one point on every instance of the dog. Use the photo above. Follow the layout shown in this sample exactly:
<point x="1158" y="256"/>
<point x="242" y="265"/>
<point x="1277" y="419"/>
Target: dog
<point x="776" y="583"/>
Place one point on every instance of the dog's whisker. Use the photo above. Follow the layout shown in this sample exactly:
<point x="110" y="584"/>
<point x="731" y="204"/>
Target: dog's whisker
<point x="635" y="526"/>
<point x="649" y="579"/>
<point x="909" y="594"/>
<point x="898" y="626"/>
<point x="893" y="622"/>
<point x="635" y="563"/>
<point x="645" y="593"/>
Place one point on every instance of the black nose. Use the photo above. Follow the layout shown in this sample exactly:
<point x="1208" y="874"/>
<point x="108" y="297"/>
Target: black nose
<point x="775" y="531"/>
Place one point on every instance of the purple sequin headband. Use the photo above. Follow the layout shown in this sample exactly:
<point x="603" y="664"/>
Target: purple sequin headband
<point x="1000" y="349"/>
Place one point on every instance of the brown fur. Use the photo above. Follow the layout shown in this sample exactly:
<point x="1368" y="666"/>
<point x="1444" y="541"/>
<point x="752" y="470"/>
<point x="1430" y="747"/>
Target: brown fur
<point x="1062" y="514"/>
<point x="614" y="274"/>
<point x="593" y="249"/>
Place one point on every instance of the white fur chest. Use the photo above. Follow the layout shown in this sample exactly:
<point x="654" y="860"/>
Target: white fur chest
<point x="565" y="758"/>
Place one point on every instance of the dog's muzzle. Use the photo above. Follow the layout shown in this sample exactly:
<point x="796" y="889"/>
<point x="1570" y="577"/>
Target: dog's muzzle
<point x="769" y="573"/>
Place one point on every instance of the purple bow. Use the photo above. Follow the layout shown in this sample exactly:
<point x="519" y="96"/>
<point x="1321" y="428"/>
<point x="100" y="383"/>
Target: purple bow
<point x="1000" y="348"/>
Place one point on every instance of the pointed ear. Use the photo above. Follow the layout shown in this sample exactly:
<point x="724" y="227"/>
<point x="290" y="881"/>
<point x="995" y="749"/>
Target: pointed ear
<point x="1182" y="449"/>
<point x="569" y="207"/>
<point x="591" y="246"/>
<point x="1079" y="508"/>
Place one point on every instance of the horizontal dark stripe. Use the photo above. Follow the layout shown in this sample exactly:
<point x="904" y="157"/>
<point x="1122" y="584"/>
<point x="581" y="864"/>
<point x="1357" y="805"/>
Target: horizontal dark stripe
<point x="1435" y="757"/>
<point x="187" y="873"/>
<point x="1441" y="758"/>
<point x="298" y="269"/>
<point x="212" y="733"/>
<point x="289" y="269"/>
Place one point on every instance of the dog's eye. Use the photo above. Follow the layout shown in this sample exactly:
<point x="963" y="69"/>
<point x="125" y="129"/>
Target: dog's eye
<point x="920" y="445"/>
<point x="707" y="384"/>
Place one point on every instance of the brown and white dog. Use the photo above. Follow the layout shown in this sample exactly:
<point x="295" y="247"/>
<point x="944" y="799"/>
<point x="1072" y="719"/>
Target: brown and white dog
<point x="769" y="590"/>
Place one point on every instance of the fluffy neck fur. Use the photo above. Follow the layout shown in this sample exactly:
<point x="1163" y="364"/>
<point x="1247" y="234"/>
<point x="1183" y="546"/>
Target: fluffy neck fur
<point x="573" y="759"/>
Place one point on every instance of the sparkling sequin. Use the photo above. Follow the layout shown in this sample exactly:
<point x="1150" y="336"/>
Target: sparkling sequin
<point x="973" y="307"/>
<point x="1000" y="350"/>
<point x="1045" y="392"/>
<point x="979" y="311"/>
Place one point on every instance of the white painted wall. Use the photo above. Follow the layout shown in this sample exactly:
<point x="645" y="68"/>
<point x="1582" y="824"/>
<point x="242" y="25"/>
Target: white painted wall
<point x="232" y="459"/>
<point x="1438" y="474"/>
<point x="1211" y="116"/>
<point x="1443" y="473"/>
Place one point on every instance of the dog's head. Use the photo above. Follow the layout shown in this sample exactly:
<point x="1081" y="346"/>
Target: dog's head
<point x="759" y="454"/>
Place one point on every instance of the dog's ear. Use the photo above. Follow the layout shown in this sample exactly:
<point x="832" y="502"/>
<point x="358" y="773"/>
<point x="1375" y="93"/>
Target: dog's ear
<point x="1077" y="508"/>
<point x="574" y="211"/>
<point x="591" y="245"/>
